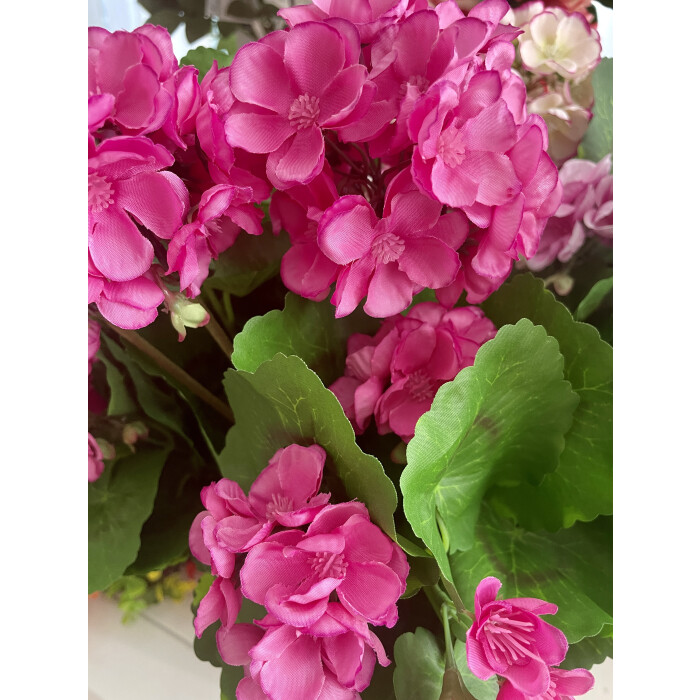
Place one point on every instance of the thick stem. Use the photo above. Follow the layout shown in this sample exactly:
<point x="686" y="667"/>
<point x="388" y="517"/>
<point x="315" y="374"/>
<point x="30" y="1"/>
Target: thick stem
<point x="219" y="336"/>
<point x="178" y="374"/>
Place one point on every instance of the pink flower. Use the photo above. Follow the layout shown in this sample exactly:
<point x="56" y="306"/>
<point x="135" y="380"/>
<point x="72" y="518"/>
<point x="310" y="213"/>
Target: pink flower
<point x="388" y="260"/>
<point x="508" y="638"/>
<point x="125" y="183"/>
<point x="293" y="574"/>
<point x="586" y="210"/>
<point x="289" y="86"/>
<point x="396" y="374"/>
<point x="132" y="68"/>
<point x="95" y="464"/>
<point x="223" y="210"/>
<point x="563" y="685"/>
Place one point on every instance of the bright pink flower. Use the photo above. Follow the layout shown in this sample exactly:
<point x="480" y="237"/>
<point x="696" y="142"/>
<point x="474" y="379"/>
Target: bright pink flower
<point x="369" y="16"/>
<point x="396" y="374"/>
<point x="508" y="638"/>
<point x="132" y="67"/>
<point x="388" y="260"/>
<point x="293" y="574"/>
<point x="305" y="269"/>
<point x="563" y="685"/>
<point x="586" y="210"/>
<point x="289" y="86"/>
<point x="95" y="464"/>
<point x="221" y="602"/>
<point x="223" y="210"/>
<point x="131" y="304"/>
<point x="125" y="183"/>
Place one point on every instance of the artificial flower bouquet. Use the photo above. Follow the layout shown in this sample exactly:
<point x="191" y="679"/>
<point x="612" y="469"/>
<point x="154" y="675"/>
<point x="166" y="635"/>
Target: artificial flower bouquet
<point x="349" y="361"/>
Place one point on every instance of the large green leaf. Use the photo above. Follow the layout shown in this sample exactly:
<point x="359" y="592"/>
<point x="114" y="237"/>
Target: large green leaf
<point x="598" y="141"/>
<point x="305" y="328"/>
<point x="590" y="650"/>
<point x="420" y="666"/>
<point x="502" y="420"/>
<point x="581" y="487"/>
<point x="285" y="402"/>
<point x="118" y="505"/>
<point x="571" y="568"/>
<point x="249" y="262"/>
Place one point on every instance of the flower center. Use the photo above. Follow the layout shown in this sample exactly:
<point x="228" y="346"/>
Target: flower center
<point x="387" y="247"/>
<point x="100" y="193"/>
<point x="328" y="565"/>
<point x="450" y="147"/>
<point x="418" y="81"/>
<point x="509" y="639"/>
<point x="304" y="112"/>
<point x="279" y="504"/>
<point x="420" y="385"/>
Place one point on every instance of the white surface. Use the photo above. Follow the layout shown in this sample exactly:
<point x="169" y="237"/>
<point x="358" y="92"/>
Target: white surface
<point x="152" y="658"/>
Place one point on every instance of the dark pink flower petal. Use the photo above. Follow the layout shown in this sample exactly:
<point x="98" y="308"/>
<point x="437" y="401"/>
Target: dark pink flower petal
<point x="258" y="76"/>
<point x="346" y="230"/>
<point x="371" y="590"/>
<point x="352" y="286"/>
<point x="335" y="515"/>
<point x="429" y="262"/>
<point x="267" y="565"/>
<point x="297" y="674"/>
<point x="234" y="643"/>
<point x="300" y="159"/>
<point x="118" y="249"/>
<point x="532" y="678"/>
<point x="306" y="271"/>
<point x="477" y="661"/>
<point x="365" y="542"/>
<point x="497" y="180"/>
<point x="136" y="105"/>
<point x="99" y="109"/>
<point x="299" y="613"/>
<point x="196" y="541"/>
<point x="575" y="682"/>
<point x="494" y="257"/>
<point x="411" y="212"/>
<point x="455" y="187"/>
<point x="493" y="129"/>
<point x="342" y="95"/>
<point x="256" y="131"/>
<point x="344" y="656"/>
<point x="390" y="291"/>
<point x="415" y="350"/>
<point x="314" y="54"/>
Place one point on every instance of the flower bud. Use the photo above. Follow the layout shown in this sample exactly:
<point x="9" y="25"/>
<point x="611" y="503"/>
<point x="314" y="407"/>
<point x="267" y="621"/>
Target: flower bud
<point x="133" y="432"/>
<point x="185" y="313"/>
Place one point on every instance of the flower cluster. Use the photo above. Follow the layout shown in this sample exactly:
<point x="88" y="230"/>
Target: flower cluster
<point x="157" y="209"/>
<point x="557" y="52"/>
<point x="586" y="211"/>
<point x="324" y="572"/>
<point x="395" y="374"/>
<point x="509" y="638"/>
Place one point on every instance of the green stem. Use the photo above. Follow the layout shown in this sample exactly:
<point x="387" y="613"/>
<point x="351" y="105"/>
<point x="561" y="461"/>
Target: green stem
<point x="219" y="336"/>
<point x="449" y="652"/>
<point x="456" y="599"/>
<point x="178" y="374"/>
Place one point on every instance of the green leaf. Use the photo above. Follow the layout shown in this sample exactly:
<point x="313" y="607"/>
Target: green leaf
<point x="168" y="18"/>
<point x="285" y="402"/>
<point x="590" y="651"/>
<point x="593" y="299"/>
<point x="481" y="690"/>
<point x="228" y="44"/>
<point x="571" y="568"/>
<point x="501" y="420"/>
<point x="304" y="328"/>
<point x="420" y="666"/>
<point x="120" y="401"/>
<point x="202" y="58"/>
<point x="196" y="28"/>
<point x="231" y="676"/>
<point x="581" y="487"/>
<point x="598" y="141"/>
<point x="249" y="262"/>
<point x="117" y="508"/>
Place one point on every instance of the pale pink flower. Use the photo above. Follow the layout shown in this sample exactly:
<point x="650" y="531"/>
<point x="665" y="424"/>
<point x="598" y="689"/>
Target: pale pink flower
<point x="289" y="86"/>
<point x="586" y="210"/>
<point x="293" y="574"/>
<point x="133" y="67"/>
<point x="388" y="260"/>
<point x="508" y="638"/>
<point x="223" y="210"/>
<point x="95" y="464"/>
<point x="555" y="41"/>
<point x="563" y="685"/>
<point x="127" y="182"/>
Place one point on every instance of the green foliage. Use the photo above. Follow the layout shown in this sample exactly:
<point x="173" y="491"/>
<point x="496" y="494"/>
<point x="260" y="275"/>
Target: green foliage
<point x="304" y="328"/>
<point x="594" y="298"/>
<point x="119" y="503"/>
<point x="285" y="402"/>
<point x="120" y="401"/>
<point x="581" y="486"/>
<point x="249" y="262"/>
<point x="598" y="141"/>
<point x="202" y="58"/>
<point x="420" y="666"/>
<point x="590" y="651"/>
<point x="501" y="421"/>
<point x="481" y="690"/>
<point x="571" y="568"/>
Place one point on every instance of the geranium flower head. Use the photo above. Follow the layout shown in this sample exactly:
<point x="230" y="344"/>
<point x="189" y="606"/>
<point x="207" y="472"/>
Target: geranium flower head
<point x="563" y="685"/>
<point x="509" y="638"/>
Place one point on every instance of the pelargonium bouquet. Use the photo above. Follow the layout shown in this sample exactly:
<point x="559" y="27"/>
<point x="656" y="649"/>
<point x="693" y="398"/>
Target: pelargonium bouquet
<point x="375" y="420"/>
